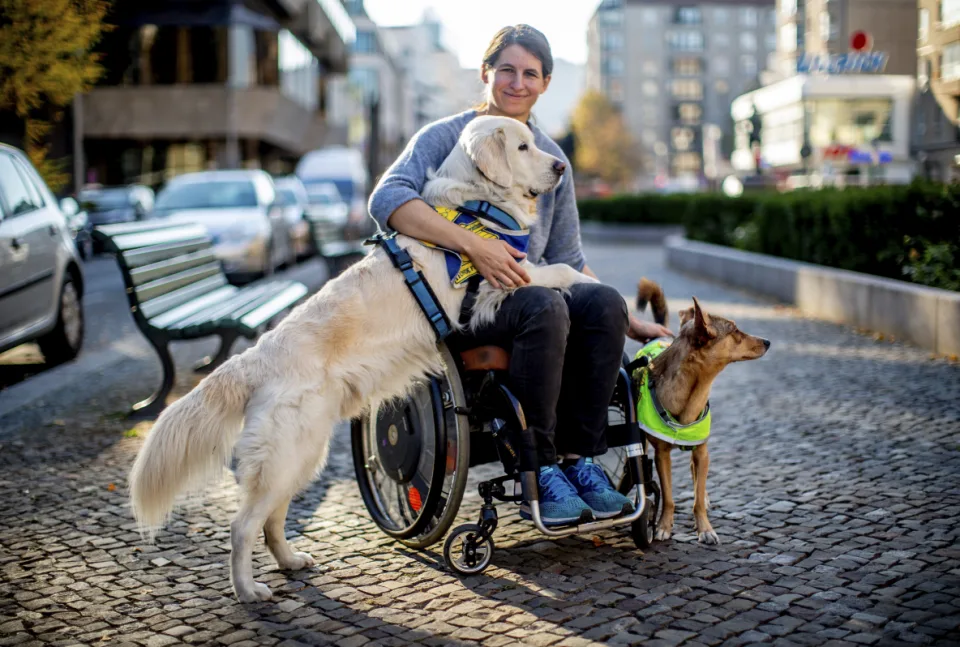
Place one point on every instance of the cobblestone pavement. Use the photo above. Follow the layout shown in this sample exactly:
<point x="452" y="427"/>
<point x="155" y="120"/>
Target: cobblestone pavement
<point x="834" y="486"/>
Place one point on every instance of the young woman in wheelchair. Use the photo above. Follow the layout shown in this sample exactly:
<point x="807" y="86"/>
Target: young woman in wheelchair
<point x="565" y="349"/>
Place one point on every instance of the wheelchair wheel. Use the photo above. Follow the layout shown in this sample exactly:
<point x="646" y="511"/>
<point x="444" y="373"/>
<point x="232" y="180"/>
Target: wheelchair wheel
<point x="411" y="458"/>
<point x="644" y="528"/>
<point x="463" y="553"/>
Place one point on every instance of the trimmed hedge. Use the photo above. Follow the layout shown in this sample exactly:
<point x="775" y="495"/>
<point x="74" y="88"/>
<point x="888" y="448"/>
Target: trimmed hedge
<point x="902" y="232"/>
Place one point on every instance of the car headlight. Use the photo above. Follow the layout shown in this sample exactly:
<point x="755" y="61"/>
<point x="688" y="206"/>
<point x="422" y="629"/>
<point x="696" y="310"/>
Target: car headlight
<point x="241" y="234"/>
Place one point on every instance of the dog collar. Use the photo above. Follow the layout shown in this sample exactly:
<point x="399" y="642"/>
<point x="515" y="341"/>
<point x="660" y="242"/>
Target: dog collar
<point x="657" y="421"/>
<point x="459" y="267"/>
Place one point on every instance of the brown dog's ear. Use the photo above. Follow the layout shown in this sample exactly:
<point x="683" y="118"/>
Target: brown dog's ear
<point x="701" y="323"/>
<point x="488" y="150"/>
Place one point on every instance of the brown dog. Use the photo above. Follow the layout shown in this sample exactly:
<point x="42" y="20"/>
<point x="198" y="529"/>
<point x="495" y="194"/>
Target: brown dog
<point x="683" y="375"/>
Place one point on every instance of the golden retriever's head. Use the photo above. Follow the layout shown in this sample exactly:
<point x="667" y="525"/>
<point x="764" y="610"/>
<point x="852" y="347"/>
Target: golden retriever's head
<point x="717" y="341"/>
<point x="503" y="151"/>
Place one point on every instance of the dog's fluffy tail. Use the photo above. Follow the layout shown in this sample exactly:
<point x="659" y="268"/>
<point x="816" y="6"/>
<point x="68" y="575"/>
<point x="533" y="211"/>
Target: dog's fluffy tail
<point x="650" y="292"/>
<point x="189" y="445"/>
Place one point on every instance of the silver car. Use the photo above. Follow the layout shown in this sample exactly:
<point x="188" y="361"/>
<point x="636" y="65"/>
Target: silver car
<point x="240" y="210"/>
<point x="293" y="197"/>
<point x="41" y="281"/>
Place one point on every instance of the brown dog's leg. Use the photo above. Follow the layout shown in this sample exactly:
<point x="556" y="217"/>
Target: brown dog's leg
<point x="699" y="464"/>
<point x="662" y="459"/>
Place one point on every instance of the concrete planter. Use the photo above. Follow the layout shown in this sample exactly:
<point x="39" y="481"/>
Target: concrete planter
<point x="927" y="317"/>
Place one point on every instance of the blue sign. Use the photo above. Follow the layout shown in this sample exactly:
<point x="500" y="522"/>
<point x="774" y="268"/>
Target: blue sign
<point x="851" y="63"/>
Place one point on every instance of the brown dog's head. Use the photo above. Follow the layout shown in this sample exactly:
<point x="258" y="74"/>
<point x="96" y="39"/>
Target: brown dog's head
<point x="718" y="340"/>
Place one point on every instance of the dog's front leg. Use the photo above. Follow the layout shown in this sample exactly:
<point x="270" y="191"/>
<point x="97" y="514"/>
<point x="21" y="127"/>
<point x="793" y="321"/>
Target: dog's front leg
<point x="558" y="275"/>
<point x="662" y="459"/>
<point x="699" y="464"/>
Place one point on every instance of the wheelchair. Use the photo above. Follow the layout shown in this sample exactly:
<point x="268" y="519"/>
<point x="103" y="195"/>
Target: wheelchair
<point x="412" y="456"/>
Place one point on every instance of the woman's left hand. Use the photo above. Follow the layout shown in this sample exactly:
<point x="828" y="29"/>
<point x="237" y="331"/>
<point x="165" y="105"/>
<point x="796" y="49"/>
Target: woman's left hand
<point x="643" y="331"/>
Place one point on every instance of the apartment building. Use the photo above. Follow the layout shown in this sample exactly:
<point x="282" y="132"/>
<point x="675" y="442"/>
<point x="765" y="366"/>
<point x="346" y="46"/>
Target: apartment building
<point x="937" y="128"/>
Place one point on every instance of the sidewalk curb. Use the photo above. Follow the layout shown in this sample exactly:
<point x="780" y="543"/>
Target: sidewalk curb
<point x="619" y="232"/>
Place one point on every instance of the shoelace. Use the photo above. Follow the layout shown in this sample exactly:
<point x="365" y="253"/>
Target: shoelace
<point x="555" y="486"/>
<point x="592" y="476"/>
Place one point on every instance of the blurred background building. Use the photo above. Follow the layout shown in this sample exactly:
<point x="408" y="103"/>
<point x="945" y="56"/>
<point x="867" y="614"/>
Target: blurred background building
<point x="936" y="131"/>
<point x="673" y="67"/>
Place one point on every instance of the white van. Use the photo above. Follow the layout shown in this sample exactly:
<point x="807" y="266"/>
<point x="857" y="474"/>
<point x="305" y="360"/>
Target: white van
<point x="343" y="167"/>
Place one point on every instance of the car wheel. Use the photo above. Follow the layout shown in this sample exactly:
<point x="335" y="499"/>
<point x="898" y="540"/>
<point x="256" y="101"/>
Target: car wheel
<point x="63" y="343"/>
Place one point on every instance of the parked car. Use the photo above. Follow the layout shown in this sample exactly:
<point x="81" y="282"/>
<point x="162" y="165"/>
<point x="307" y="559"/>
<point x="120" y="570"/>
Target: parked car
<point x="41" y="280"/>
<point x="344" y="168"/>
<point x="325" y="203"/>
<point x="293" y="196"/>
<point x="81" y="229"/>
<point x="240" y="211"/>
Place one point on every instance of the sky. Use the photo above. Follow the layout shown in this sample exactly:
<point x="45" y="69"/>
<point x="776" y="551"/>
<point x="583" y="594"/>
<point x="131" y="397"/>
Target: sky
<point x="470" y="25"/>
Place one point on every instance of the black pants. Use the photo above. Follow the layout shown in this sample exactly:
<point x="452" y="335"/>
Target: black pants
<point x="565" y="354"/>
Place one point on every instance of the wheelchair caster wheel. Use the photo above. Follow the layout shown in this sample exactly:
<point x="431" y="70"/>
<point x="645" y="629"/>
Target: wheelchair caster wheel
<point x="642" y="530"/>
<point x="465" y="552"/>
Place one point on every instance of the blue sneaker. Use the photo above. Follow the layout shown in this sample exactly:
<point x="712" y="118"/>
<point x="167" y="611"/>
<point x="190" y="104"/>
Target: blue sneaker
<point x="559" y="503"/>
<point x="594" y="487"/>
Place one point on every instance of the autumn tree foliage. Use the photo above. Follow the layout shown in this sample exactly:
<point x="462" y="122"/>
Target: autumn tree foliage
<point x="605" y="148"/>
<point x="46" y="57"/>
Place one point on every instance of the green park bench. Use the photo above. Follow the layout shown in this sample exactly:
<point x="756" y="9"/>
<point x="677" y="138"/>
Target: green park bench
<point x="177" y="291"/>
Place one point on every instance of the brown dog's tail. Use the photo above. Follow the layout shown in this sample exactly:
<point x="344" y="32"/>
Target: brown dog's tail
<point x="650" y="292"/>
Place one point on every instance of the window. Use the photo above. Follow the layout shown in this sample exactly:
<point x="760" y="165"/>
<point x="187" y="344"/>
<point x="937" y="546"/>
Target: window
<point x="366" y="43"/>
<point x="650" y="88"/>
<point x="748" y="16"/>
<point x="687" y="66"/>
<point x="721" y="86"/>
<point x="721" y="16"/>
<point x="685" y="41"/>
<point x="649" y="16"/>
<point x="615" y="90"/>
<point x="720" y="65"/>
<point x="788" y="37"/>
<point x="748" y="41"/>
<point x="367" y="81"/>
<point x="949" y="12"/>
<point x="721" y="40"/>
<point x="850" y="122"/>
<point x="687" y="16"/>
<point x="950" y="62"/>
<point x="688" y="89"/>
<point x="748" y="65"/>
<point x="686" y="163"/>
<point x="353" y="7"/>
<point x="13" y="189"/>
<point x="688" y="113"/>
<point x="651" y="68"/>
<point x="28" y="180"/>
<point x="612" y="40"/>
<point x="923" y="24"/>
<point x="611" y="18"/>
<point x="613" y="66"/>
<point x="681" y="138"/>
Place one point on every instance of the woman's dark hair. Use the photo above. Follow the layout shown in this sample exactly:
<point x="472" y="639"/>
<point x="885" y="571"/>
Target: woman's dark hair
<point x="526" y="37"/>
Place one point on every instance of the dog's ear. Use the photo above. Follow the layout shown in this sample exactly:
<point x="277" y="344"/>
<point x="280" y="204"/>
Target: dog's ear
<point x="702" y="326"/>
<point x="488" y="150"/>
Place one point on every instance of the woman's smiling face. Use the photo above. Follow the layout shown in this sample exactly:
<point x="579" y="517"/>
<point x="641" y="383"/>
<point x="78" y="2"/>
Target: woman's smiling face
<point x="514" y="83"/>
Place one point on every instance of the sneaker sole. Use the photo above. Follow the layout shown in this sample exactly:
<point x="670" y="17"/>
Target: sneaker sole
<point x="585" y="517"/>
<point x="625" y="510"/>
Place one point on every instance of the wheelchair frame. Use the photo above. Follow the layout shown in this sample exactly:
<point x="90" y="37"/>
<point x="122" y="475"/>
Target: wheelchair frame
<point x="412" y="481"/>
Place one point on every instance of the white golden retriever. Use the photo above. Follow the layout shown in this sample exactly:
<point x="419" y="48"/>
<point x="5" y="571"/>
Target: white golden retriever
<point x="362" y="339"/>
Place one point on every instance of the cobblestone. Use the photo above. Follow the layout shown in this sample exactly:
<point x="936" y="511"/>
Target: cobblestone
<point x="833" y="483"/>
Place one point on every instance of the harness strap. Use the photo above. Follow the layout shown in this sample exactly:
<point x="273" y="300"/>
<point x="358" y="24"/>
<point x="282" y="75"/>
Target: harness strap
<point x="418" y="286"/>
<point x="492" y="213"/>
<point x="466" y="307"/>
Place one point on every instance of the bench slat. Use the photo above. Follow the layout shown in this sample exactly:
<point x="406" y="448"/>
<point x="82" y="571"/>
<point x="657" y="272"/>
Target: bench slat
<point x="224" y="309"/>
<point x="274" y="306"/>
<point x="167" y="284"/>
<point x="171" y="318"/>
<point x="152" y="224"/>
<point x="164" y="268"/>
<point x="147" y="255"/>
<point x="169" y="301"/>
<point x="181" y="234"/>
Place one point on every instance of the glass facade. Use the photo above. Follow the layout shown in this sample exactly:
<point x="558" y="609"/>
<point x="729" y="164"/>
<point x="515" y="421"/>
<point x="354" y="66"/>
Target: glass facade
<point x="848" y="122"/>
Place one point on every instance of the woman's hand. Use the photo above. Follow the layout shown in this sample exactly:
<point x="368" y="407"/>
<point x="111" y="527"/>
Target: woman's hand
<point x="643" y="331"/>
<point x="497" y="262"/>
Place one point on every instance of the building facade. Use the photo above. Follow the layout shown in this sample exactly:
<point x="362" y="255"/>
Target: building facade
<point x="937" y="128"/>
<point x="673" y="67"/>
<point x="192" y="85"/>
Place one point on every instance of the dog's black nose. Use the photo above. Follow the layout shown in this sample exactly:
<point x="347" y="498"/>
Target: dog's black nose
<point x="559" y="167"/>
<point x="766" y="343"/>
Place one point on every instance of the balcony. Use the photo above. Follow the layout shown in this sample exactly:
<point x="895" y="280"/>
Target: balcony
<point x="191" y="112"/>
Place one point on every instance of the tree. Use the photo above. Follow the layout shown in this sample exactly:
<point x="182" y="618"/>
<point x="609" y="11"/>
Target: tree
<point x="46" y="58"/>
<point x="604" y="147"/>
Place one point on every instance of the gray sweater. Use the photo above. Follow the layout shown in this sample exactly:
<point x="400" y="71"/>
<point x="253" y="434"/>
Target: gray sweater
<point x="555" y="238"/>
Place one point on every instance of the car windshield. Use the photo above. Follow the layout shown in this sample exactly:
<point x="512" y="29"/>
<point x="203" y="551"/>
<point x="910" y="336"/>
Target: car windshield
<point x="286" y="197"/>
<point x="322" y="195"/>
<point x="104" y="200"/>
<point x="208" y="195"/>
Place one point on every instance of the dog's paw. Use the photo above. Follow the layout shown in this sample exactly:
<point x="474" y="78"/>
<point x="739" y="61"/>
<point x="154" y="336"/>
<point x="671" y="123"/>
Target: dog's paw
<point x="663" y="534"/>
<point x="297" y="562"/>
<point x="710" y="538"/>
<point x="259" y="593"/>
